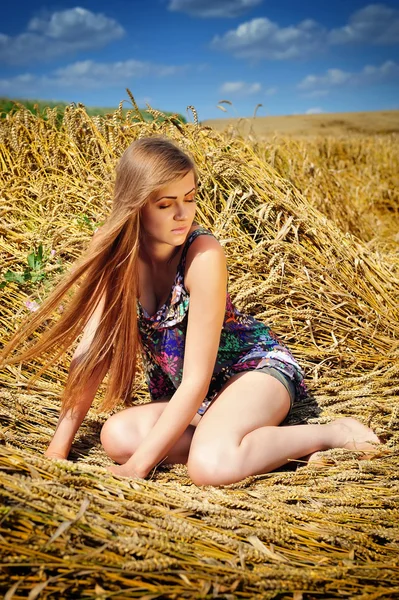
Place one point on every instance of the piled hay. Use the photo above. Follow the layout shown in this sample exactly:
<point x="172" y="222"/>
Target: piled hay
<point x="353" y="180"/>
<point x="315" y="272"/>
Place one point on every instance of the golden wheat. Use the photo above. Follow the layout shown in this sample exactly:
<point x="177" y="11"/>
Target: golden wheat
<point x="310" y="233"/>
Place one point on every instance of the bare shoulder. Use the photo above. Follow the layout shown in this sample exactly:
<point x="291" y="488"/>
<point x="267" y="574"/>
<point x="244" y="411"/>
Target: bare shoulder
<point x="205" y="257"/>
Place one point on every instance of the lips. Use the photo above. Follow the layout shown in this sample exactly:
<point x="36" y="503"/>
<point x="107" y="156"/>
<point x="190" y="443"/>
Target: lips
<point x="180" y="229"/>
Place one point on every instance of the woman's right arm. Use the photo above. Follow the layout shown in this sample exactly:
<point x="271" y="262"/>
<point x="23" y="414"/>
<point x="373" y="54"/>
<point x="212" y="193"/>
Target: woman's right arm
<point x="69" y="423"/>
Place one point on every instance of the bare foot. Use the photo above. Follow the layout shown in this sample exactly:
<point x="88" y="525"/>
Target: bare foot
<point x="353" y="435"/>
<point x="350" y="434"/>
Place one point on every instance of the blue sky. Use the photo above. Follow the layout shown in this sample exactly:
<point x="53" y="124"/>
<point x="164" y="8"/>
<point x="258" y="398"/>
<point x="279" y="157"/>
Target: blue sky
<point x="292" y="57"/>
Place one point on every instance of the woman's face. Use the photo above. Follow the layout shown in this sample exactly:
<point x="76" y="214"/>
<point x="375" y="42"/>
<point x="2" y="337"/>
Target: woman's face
<point x="171" y="208"/>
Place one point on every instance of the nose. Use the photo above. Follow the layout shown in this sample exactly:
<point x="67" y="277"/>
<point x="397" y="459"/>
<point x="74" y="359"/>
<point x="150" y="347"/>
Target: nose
<point x="181" y="213"/>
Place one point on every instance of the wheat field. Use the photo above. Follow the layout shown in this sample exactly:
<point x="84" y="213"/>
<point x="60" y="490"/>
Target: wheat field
<point x="378" y="122"/>
<point x="310" y="230"/>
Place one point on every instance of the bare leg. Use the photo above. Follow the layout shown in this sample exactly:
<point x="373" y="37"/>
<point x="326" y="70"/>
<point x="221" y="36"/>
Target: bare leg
<point x="238" y="438"/>
<point x="177" y="454"/>
<point x="266" y="448"/>
<point x="124" y="431"/>
<point x="296" y="441"/>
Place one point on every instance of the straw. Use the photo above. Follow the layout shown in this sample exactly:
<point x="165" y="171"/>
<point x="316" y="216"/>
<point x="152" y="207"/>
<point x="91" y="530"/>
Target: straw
<point x="309" y="228"/>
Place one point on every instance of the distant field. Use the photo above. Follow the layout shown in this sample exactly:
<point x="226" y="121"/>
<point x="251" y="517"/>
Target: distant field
<point x="378" y="122"/>
<point x="8" y="104"/>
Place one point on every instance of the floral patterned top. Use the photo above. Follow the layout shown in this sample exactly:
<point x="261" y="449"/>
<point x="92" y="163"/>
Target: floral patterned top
<point x="245" y="342"/>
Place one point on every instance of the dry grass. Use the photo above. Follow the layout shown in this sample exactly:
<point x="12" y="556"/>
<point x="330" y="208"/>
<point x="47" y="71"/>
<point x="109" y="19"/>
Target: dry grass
<point x="300" y="225"/>
<point x="326" y="124"/>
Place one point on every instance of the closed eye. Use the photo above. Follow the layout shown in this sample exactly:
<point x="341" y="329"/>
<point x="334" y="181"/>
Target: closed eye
<point x="167" y="205"/>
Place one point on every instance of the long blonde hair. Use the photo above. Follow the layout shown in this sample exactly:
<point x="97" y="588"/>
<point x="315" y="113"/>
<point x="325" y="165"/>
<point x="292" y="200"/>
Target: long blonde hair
<point x="110" y="267"/>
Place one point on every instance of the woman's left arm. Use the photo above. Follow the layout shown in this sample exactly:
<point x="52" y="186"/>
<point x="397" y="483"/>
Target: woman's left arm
<point x="206" y="280"/>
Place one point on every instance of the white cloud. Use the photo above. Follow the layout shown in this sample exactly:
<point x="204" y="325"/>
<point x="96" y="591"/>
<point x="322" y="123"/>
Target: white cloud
<point x="59" y="33"/>
<point x="388" y="70"/>
<point x="240" y="87"/>
<point x="314" y="111"/>
<point x="213" y="8"/>
<point x="370" y="74"/>
<point x="271" y="91"/>
<point x="375" y="24"/>
<point x="87" y="74"/>
<point x="261" y="38"/>
<point x="16" y="85"/>
<point x="331" y="78"/>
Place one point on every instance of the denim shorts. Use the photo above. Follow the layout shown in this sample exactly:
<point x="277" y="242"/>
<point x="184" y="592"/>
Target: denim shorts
<point x="284" y="379"/>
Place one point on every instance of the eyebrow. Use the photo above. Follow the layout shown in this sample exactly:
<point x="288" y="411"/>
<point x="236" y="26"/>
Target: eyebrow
<point x="174" y="197"/>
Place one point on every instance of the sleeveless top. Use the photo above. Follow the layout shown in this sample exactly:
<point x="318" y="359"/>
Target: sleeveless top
<point x="245" y="342"/>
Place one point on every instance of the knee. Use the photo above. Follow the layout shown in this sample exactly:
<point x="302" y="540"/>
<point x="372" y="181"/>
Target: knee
<point x="107" y="431"/>
<point x="115" y="440"/>
<point x="209" y="466"/>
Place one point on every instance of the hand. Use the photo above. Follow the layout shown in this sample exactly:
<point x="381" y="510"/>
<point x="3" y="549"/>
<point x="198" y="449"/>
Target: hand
<point x="53" y="454"/>
<point x="123" y="471"/>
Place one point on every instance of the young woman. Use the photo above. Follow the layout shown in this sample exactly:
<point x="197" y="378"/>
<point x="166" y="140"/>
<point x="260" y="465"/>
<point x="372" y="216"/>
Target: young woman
<point x="221" y="382"/>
